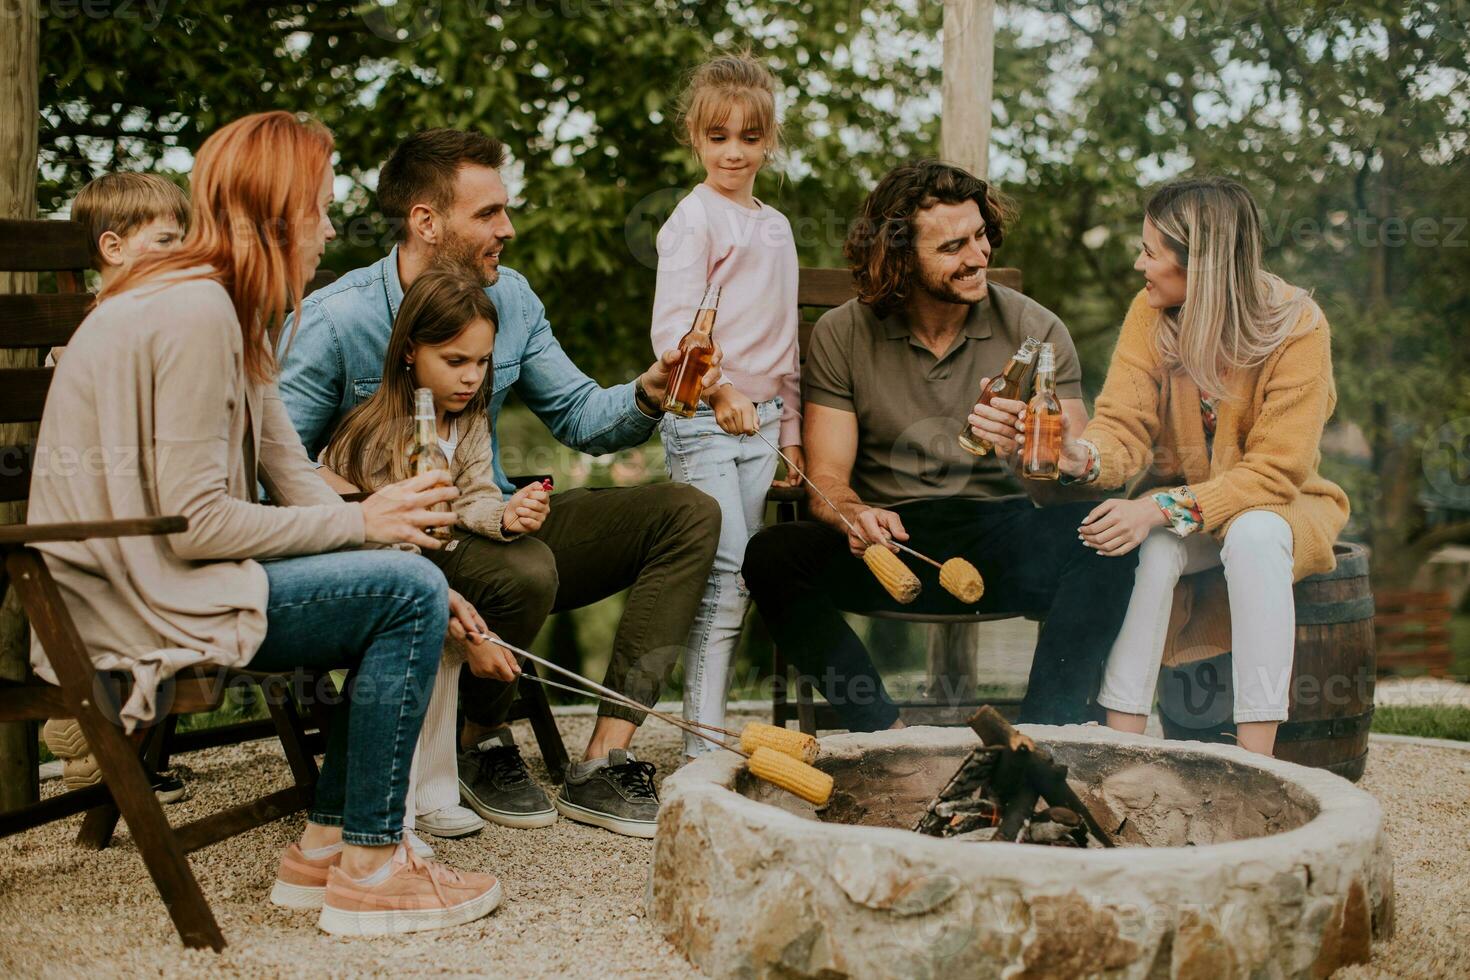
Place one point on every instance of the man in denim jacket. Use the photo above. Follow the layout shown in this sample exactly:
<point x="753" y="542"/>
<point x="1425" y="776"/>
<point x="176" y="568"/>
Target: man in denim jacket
<point x="444" y="189"/>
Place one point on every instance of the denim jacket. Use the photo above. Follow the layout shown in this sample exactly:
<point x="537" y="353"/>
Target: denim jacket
<point x="334" y="360"/>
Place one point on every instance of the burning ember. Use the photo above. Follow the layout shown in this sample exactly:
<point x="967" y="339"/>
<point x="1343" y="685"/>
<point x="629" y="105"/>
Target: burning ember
<point x="994" y="795"/>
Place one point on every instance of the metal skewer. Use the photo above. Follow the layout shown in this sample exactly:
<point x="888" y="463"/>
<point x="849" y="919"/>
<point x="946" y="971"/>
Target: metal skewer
<point x="828" y="501"/>
<point x="608" y="694"/>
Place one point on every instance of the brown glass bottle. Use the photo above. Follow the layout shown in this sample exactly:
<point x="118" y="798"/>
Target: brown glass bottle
<point x="1043" y="449"/>
<point x="1007" y="384"/>
<point x="686" y="383"/>
<point x="424" y="454"/>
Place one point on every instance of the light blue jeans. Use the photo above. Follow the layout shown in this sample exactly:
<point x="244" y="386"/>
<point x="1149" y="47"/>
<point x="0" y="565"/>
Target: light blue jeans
<point x="737" y="472"/>
<point x="381" y="614"/>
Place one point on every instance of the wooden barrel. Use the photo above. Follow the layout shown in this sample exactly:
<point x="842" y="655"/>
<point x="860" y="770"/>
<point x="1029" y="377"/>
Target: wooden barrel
<point x="1331" y="696"/>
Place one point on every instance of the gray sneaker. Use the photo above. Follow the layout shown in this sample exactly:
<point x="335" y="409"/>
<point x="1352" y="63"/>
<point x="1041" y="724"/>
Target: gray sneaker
<point x="494" y="782"/>
<point x="615" y="794"/>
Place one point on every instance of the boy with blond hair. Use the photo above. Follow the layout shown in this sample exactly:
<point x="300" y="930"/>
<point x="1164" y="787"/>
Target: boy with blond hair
<point x="127" y="216"/>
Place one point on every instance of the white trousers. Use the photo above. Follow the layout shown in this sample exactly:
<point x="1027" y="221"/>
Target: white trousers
<point x="433" y="781"/>
<point x="1257" y="557"/>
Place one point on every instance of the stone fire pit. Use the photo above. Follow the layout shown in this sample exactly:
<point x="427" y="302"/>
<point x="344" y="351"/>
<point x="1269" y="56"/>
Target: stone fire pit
<point x="1230" y="865"/>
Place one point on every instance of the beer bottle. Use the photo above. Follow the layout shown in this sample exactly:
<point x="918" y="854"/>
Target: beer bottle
<point x="1007" y="384"/>
<point x="424" y="454"/>
<point x="686" y="383"/>
<point x="1043" y="449"/>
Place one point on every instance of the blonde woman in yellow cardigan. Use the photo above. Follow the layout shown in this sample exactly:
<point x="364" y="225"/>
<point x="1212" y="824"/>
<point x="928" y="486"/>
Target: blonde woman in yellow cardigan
<point x="1217" y="393"/>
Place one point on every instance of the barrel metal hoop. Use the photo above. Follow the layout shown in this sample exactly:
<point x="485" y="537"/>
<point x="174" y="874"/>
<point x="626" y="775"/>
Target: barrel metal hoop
<point x="1341" y="727"/>
<point x="1332" y="613"/>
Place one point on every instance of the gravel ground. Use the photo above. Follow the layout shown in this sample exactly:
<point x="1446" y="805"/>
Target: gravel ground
<point x="574" y="894"/>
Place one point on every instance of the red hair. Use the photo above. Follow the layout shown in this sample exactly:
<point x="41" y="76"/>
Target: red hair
<point x="254" y="193"/>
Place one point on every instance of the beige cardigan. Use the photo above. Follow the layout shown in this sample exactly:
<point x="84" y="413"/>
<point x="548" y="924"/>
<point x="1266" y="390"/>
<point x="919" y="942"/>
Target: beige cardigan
<point x="480" y="505"/>
<point x="150" y="413"/>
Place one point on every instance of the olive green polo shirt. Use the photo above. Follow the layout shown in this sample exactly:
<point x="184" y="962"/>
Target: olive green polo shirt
<point x="911" y="406"/>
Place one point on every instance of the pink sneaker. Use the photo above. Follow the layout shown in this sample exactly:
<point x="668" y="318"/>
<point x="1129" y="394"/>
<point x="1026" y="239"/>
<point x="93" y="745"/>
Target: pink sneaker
<point x="301" y="881"/>
<point x="416" y="895"/>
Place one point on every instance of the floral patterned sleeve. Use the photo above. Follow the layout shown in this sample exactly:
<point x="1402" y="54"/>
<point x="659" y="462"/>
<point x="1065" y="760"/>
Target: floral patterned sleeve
<point x="1182" y="510"/>
<point x="1094" y="466"/>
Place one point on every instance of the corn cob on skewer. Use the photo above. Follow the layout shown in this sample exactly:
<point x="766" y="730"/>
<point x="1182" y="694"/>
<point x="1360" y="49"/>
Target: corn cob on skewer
<point x="961" y="580"/>
<point x="765" y="763"/>
<point x="798" y="745"/>
<point x="790" y="774"/>
<point x="891" y="573"/>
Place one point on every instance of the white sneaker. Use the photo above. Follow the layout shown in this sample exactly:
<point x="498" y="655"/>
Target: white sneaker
<point x="450" y="821"/>
<point x="417" y="845"/>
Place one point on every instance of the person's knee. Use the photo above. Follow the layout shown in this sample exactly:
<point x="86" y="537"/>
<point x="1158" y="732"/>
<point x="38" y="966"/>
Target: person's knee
<point x="534" y="579"/>
<point x="765" y="553"/>
<point x="420" y="585"/>
<point x="1258" y="537"/>
<point x="1161" y="551"/>
<point x="693" y="515"/>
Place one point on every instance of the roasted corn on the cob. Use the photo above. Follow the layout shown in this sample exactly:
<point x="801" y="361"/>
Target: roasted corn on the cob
<point x="790" y="774"/>
<point x="891" y="573"/>
<point x="961" y="580"/>
<point x="798" y="745"/>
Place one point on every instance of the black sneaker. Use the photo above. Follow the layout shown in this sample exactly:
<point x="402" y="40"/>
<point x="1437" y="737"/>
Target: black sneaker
<point x="618" y="795"/>
<point x="494" y="782"/>
<point x="170" y="787"/>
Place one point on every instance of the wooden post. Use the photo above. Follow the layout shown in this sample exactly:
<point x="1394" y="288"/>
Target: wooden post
<point x="969" y="69"/>
<point x="964" y="140"/>
<point x="20" y="28"/>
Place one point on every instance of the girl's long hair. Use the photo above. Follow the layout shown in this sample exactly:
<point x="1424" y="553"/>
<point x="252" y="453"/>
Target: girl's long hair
<point x="1235" y="313"/>
<point x="253" y="196"/>
<point x="370" y="447"/>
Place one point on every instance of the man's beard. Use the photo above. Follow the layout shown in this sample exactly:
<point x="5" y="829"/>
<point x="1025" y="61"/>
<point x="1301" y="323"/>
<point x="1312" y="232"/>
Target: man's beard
<point x="466" y="256"/>
<point x="943" y="290"/>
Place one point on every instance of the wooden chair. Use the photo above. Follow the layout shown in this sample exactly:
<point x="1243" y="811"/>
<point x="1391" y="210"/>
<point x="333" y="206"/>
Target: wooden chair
<point x="530" y="703"/>
<point x="821" y="290"/>
<point x="93" y="697"/>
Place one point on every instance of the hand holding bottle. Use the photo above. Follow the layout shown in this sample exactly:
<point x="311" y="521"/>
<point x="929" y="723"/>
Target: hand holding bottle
<point x="1074" y="460"/>
<point x="527" y="508"/>
<point x="998" y="422"/>
<point x="401" y="512"/>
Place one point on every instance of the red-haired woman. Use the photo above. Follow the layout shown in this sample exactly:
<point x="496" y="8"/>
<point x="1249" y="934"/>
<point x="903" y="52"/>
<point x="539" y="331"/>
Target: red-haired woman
<point x="167" y="396"/>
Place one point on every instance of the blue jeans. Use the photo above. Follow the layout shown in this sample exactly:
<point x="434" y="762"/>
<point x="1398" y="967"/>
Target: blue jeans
<point x="736" y="472"/>
<point x="381" y="615"/>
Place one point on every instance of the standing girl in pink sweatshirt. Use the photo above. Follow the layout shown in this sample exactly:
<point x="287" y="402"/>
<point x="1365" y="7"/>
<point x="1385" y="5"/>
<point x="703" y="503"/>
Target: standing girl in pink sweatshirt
<point x="722" y="235"/>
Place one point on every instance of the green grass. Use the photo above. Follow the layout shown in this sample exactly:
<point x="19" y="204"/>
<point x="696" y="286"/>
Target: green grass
<point x="1425" y="721"/>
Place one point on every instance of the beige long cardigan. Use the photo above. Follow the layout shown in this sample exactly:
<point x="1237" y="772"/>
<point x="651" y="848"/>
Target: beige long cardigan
<point x="150" y="413"/>
<point x="1267" y="455"/>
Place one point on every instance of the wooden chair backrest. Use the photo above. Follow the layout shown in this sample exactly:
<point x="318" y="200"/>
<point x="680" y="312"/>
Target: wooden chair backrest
<point x="820" y="290"/>
<point x="37" y="321"/>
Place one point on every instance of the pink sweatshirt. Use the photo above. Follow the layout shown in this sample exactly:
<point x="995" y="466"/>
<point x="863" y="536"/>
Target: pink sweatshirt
<point x="752" y="256"/>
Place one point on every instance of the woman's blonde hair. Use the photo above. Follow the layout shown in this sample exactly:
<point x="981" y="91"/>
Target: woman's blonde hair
<point x="717" y="86"/>
<point x="1235" y="313"/>
<point x="254" y="197"/>
<point x="370" y="447"/>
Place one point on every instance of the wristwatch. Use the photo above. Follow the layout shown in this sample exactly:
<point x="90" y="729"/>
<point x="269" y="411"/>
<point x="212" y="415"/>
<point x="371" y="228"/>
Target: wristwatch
<point x="645" y="401"/>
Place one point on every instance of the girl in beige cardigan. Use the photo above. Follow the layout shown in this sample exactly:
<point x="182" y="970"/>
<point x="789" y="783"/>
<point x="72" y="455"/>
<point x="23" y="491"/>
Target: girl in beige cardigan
<point x="443" y="339"/>
<point x="1217" y="394"/>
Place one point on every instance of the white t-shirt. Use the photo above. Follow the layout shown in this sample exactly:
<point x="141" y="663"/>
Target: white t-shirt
<point x="448" y="445"/>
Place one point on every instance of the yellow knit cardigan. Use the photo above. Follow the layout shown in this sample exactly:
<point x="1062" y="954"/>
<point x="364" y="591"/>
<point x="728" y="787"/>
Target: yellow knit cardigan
<point x="1266" y="455"/>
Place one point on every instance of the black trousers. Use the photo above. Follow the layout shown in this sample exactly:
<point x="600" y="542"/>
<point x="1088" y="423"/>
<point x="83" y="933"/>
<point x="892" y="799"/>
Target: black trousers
<point x="802" y="577"/>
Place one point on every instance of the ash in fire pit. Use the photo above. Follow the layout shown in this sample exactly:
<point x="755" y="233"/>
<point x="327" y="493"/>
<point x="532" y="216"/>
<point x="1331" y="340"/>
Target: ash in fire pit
<point x="993" y="795"/>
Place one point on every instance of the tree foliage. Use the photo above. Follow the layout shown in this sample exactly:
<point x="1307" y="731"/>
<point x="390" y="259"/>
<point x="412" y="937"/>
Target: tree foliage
<point x="1347" y="119"/>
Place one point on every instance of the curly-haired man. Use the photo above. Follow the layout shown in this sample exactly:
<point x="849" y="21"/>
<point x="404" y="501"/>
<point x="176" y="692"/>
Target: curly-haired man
<point x="888" y="377"/>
